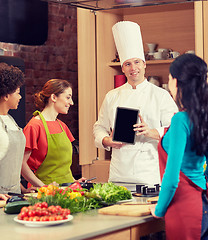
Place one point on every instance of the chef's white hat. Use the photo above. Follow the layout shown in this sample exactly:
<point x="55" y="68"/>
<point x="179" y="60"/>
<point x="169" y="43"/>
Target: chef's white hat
<point x="128" y="40"/>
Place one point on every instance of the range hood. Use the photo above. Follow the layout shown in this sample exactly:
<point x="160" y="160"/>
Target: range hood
<point x="97" y="5"/>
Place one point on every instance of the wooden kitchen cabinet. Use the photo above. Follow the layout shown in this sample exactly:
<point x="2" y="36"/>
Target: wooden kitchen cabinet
<point x="181" y="27"/>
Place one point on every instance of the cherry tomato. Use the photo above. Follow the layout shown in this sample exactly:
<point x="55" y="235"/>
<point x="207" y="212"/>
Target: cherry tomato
<point x="36" y="219"/>
<point x="26" y="218"/>
<point x="52" y="218"/>
<point x="24" y="209"/>
<point x="44" y="205"/>
<point x="31" y="213"/>
<point x="58" y="207"/>
<point x="30" y="219"/>
<point x="59" y="217"/>
<point x="38" y="205"/>
<point x="41" y="212"/>
<point x="44" y="219"/>
<point x="21" y="216"/>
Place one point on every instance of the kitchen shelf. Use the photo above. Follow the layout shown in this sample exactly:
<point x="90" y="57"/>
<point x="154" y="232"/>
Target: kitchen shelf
<point x="149" y="62"/>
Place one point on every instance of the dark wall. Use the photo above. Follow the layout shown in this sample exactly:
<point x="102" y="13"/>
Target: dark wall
<point x="23" y="21"/>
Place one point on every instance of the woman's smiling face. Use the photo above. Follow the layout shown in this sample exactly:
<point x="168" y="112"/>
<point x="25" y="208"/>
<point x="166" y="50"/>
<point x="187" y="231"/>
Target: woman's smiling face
<point x="63" y="101"/>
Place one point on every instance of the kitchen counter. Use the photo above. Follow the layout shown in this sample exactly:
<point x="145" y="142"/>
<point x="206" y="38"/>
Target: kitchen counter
<point x="88" y="225"/>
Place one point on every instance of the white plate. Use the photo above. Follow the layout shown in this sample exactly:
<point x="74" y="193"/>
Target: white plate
<point x="43" y="224"/>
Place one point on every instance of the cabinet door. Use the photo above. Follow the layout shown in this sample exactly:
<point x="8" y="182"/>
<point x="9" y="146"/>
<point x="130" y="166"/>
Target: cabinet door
<point x="105" y="51"/>
<point x="205" y="25"/>
<point x="86" y="84"/>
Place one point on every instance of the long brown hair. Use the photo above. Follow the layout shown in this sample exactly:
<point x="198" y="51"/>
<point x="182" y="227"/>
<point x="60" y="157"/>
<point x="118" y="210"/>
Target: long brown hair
<point x="53" y="86"/>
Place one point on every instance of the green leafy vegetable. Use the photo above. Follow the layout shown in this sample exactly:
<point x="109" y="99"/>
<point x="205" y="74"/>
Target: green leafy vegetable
<point x="111" y="193"/>
<point x="82" y="200"/>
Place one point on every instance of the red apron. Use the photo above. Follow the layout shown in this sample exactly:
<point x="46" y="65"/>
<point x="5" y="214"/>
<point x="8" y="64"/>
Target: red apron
<point x="184" y="214"/>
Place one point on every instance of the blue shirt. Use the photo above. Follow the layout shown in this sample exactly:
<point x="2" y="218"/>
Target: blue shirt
<point x="177" y="144"/>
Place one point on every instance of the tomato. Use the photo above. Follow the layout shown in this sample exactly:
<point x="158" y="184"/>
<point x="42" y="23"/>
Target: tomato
<point x="36" y="219"/>
<point x="41" y="212"/>
<point x="21" y="216"/>
<point x="24" y="214"/>
<point x="58" y="207"/>
<point x="26" y="218"/>
<point x="30" y="207"/>
<point x="44" y="205"/>
<point x="31" y="213"/>
<point x="55" y="211"/>
<point x="59" y="217"/>
<point x="38" y="205"/>
<point x="65" y="211"/>
<point x="51" y="207"/>
<point x="44" y="219"/>
<point x="44" y="212"/>
<point x="24" y="209"/>
<point x="52" y="218"/>
<point x="38" y="212"/>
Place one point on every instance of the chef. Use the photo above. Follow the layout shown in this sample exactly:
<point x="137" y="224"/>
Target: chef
<point x="136" y="163"/>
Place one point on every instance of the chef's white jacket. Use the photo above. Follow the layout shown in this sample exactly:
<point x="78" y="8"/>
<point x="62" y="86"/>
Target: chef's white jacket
<point x="136" y="163"/>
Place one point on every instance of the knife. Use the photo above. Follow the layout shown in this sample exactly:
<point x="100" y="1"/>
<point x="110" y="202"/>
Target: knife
<point x="15" y="194"/>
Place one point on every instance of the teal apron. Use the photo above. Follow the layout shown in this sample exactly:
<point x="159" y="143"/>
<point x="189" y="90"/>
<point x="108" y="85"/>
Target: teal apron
<point x="56" y="165"/>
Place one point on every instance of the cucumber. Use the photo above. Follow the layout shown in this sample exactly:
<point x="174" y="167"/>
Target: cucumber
<point x="15" y="207"/>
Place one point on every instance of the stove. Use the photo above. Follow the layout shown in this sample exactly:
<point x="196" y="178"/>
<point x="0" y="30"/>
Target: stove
<point x="146" y="191"/>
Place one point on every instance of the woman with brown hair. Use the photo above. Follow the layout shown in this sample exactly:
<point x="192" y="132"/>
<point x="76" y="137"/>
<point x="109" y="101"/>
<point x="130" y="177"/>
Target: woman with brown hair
<point x="48" y="151"/>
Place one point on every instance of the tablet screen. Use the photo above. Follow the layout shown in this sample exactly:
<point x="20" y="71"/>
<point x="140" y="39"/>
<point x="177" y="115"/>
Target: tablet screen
<point x="123" y="126"/>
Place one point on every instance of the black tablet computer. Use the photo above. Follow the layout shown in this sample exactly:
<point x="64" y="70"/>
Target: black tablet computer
<point x="123" y="126"/>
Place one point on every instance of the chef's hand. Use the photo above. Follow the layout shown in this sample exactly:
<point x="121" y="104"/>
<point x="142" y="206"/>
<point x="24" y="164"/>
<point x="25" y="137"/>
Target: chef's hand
<point x="152" y="209"/>
<point x="108" y="142"/>
<point x="142" y="128"/>
<point x="4" y="197"/>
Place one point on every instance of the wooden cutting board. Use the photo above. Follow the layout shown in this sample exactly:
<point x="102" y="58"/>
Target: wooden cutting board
<point x="153" y="199"/>
<point x="126" y="210"/>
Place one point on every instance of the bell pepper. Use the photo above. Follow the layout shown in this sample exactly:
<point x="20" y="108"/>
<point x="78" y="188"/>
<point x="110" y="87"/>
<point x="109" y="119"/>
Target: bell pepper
<point x="76" y="186"/>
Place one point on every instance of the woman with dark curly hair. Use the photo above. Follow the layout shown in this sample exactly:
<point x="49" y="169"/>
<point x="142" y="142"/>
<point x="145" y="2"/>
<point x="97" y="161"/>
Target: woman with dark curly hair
<point x="12" y="140"/>
<point x="48" y="152"/>
<point x="183" y="151"/>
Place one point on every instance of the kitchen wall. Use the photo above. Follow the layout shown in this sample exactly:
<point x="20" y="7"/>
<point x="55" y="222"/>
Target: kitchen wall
<point x="57" y="58"/>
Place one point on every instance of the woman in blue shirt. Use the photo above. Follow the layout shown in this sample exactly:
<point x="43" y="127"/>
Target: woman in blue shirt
<point x="183" y="151"/>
